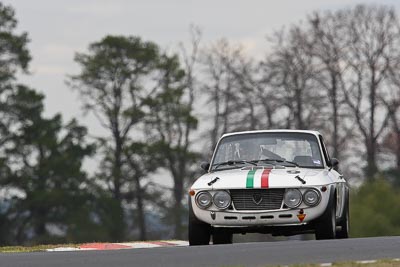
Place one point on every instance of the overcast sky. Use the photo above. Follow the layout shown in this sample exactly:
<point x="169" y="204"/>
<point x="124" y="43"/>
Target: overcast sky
<point x="59" y="28"/>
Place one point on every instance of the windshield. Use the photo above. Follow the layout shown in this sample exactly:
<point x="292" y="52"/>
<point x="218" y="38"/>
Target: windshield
<point x="286" y="149"/>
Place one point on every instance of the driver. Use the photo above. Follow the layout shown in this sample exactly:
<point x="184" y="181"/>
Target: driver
<point x="247" y="151"/>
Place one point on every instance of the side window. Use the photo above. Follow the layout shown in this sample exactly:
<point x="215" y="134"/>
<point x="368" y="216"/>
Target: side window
<point x="324" y="151"/>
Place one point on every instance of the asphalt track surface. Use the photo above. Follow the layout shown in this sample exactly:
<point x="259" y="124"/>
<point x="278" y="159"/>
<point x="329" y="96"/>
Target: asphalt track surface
<point x="241" y="254"/>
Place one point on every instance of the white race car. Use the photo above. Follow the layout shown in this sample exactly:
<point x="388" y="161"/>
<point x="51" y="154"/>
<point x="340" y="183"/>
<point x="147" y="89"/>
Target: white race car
<point x="281" y="182"/>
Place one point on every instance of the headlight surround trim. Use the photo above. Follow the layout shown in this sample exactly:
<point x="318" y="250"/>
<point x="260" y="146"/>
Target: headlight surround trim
<point x="207" y="196"/>
<point x="317" y="195"/>
<point x="221" y="194"/>
<point x="294" y="193"/>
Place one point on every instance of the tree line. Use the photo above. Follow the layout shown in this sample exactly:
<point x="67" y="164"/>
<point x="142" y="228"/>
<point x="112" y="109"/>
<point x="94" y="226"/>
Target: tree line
<point x="162" y="112"/>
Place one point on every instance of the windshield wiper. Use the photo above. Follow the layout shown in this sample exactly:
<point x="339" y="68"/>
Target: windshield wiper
<point x="233" y="162"/>
<point x="277" y="160"/>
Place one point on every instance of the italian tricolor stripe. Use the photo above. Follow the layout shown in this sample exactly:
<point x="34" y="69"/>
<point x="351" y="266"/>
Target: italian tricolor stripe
<point x="258" y="181"/>
<point x="250" y="179"/>
<point x="265" y="178"/>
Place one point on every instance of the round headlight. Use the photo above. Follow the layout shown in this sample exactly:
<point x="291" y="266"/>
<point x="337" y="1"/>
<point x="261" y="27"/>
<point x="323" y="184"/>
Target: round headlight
<point x="203" y="200"/>
<point x="222" y="200"/>
<point x="311" y="197"/>
<point x="292" y="198"/>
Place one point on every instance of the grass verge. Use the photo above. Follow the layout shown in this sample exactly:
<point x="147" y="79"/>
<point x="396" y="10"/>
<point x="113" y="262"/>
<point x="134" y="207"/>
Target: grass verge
<point x="13" y="249"/>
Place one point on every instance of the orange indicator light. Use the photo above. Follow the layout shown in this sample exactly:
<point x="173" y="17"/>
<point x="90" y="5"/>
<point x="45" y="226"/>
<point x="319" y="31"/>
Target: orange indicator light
<point x="191" y="192"/>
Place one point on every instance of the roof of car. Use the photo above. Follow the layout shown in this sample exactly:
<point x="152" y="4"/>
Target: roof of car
<point x="274" y="131"/>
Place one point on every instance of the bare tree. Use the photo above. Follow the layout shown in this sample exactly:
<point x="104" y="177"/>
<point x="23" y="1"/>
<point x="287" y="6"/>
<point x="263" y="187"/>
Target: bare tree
<point x="335" y="69"/>
<point x="371" y="40"/>
<point x="170" y="125"/>
<point x="328" y="49"/>
<point x="255" y="96"/>
<point x="290" y="70"/>
<point x="231" y="90"/>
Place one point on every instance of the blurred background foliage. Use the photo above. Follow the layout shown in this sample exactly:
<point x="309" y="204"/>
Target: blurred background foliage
<point x="162" y="113"/>
<point x="373" y="210"/>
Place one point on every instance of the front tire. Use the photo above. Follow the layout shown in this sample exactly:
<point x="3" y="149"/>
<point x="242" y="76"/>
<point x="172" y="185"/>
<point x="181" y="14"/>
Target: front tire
<point x="199" y="232"/>
<point x="221" y="236"/>
<point x="326" y="225"/>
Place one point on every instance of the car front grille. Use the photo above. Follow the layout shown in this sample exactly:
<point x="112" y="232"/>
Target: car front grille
<point x="257" y="199"/>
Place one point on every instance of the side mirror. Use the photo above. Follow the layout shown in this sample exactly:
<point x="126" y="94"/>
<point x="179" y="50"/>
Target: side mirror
<point x="205" y="166"/>
<point x="334" y="162"/>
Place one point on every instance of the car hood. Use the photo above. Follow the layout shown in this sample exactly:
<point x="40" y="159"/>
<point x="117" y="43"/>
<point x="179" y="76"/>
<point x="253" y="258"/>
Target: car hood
<point x="262" y="178"/>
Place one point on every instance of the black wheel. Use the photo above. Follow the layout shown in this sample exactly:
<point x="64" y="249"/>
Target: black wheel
<point x="344" y="222"/>
<point x="326" y="225"/>
<point x="199" y="232"/>
<point x="221" y="236"/>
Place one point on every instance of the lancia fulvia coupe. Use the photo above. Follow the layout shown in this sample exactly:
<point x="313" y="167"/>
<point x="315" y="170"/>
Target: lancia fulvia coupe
<point x="281" y="182"/>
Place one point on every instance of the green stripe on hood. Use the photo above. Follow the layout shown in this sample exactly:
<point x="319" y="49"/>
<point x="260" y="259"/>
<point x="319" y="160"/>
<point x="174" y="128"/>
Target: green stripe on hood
<point x="250" y="179"/>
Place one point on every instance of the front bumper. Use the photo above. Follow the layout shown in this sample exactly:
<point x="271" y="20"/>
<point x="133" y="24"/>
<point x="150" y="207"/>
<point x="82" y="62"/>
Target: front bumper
<point x="302" y="215"/>
<point x="281" y="217"/>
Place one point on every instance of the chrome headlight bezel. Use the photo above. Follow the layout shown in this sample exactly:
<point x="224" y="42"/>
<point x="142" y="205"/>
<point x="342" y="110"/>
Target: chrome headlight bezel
<point x="223" y="194"/>
<point x="298" y="196"/>
<point x="207" y="195"/>
<point x="317" y="195"/>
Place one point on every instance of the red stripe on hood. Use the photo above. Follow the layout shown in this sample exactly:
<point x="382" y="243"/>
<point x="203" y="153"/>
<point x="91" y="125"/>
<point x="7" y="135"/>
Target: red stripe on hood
<point x="265" y="178"/>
